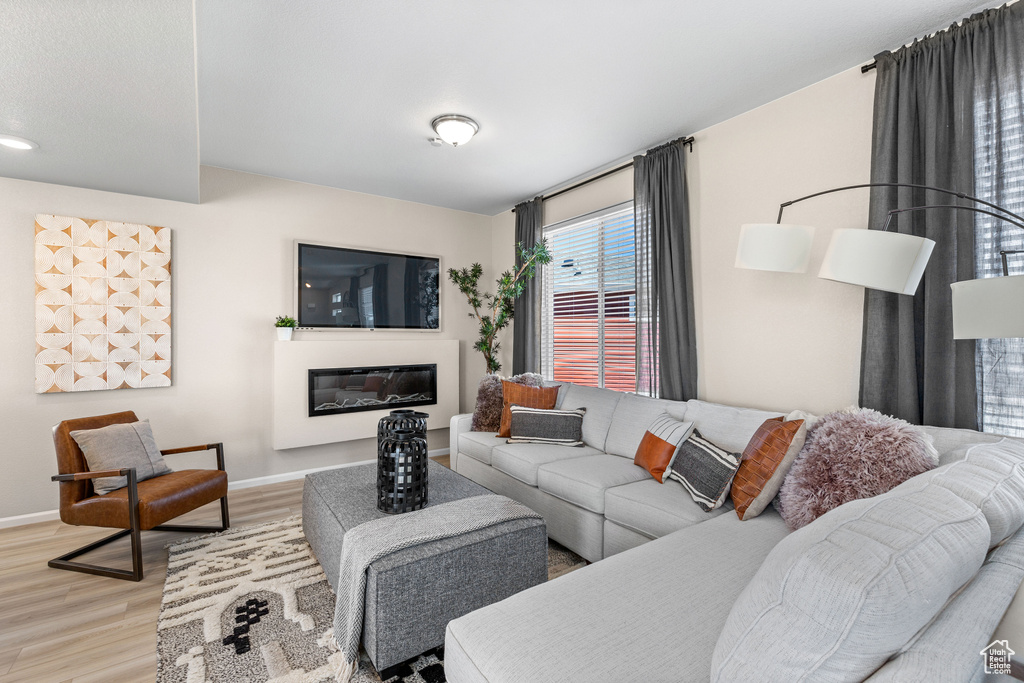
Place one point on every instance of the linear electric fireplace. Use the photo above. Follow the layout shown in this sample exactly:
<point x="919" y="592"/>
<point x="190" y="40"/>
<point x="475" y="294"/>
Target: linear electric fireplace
<point x="349" y="390"/>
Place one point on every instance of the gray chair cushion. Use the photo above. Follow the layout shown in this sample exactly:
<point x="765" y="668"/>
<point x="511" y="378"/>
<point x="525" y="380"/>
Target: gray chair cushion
<point x="600" y="405"/>
<point x="602" y="622"/>
<point x="654" y="509"/>
<point x="633" y="415"/>
<point x="478" y="445"/>
<point x="834" y="600"/>
<point x="521" y="460"/>
<point x="121" y="446"/>
<point x="583" y="481"/>
<point x="728" y="427"/>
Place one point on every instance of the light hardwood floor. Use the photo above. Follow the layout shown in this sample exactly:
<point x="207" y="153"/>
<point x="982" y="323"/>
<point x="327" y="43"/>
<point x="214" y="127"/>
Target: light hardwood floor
<point x="64" y="626"/>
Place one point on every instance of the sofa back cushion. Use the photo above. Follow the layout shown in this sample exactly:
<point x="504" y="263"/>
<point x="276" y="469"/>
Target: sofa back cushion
<point x="949" y="648"/>
<point x="632" y="417"/>
<point x="834" y="600"/>
<point x="951" y="443"/>
<point x="600" y="405"/>
<point x="991" y="476"/>
<point x="727" y="426"/>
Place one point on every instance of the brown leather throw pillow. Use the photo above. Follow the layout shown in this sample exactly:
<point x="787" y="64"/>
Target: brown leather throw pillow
<point x="766" y="460"/>
<point x="660" y="445"/>
<point x="522" y="395"/>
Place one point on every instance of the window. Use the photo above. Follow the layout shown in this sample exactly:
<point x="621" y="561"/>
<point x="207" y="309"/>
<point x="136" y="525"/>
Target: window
<point x="588" y="295"/>
<point x="999" y="178"/>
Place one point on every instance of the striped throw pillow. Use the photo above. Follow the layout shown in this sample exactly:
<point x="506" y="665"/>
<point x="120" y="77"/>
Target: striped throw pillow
<point x="538" y="425"/>
<point x="660" y="445"/>
<point x="704" y="470"/>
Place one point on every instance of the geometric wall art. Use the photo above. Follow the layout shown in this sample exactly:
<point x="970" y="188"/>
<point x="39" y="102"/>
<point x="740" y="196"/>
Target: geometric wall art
<point x="103" y="305"/>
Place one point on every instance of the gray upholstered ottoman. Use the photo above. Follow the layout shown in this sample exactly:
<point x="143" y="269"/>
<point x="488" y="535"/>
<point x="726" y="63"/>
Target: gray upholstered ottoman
<point x="412" y="594"/>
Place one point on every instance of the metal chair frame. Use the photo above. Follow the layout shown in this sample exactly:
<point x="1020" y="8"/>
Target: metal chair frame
<point x="136" y="573"/>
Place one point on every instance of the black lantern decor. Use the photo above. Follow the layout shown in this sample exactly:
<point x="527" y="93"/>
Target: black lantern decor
<point x="401" y="472"/>
<point x="403" y="419"/>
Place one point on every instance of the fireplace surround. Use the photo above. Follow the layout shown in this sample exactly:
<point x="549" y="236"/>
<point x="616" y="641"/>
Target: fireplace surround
<point x="333" y="391"/>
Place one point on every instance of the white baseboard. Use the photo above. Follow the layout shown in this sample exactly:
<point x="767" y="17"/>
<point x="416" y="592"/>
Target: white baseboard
<point x="51" y="515"/>
<point x="31" y="518"/>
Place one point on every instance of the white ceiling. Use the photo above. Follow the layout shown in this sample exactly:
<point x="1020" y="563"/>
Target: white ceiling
<point x="342" y="93"/>
<point x="107" y="88"/>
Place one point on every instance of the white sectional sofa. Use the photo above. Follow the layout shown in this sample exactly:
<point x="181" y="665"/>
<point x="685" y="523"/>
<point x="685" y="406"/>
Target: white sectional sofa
<point x="655" y="609"/>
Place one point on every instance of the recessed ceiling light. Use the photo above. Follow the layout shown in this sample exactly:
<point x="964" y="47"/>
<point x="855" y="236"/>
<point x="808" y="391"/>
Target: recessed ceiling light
<point x="455" y="129"/>
<point x="15" y="142"/>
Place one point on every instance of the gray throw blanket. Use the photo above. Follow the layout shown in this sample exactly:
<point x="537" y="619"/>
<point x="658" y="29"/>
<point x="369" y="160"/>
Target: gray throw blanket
<point x="370" y="541"/>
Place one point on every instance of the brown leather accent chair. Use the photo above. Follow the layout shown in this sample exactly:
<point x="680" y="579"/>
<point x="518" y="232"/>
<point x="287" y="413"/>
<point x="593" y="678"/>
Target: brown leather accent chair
<point x="140" y="506"/>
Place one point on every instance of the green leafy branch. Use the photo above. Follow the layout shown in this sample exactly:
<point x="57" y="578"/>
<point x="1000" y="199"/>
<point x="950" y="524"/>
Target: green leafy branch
<point x="494" y="312"/>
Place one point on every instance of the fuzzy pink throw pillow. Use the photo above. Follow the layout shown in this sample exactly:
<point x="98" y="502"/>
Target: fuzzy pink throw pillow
<point x="490" y="400"/>
<point x="850" y="455"/>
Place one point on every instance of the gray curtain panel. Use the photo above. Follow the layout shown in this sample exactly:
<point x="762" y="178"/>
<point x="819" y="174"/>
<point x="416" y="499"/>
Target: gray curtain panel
<point x="924" y="133"/>
<point x="526" y="314"/>
<point x="666" y="345"/>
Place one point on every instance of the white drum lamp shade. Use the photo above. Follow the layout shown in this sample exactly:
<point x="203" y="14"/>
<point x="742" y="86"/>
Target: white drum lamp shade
<point x="777" y="247"/>
<point x="889" y="261"/>
<point x="989" y="308"/>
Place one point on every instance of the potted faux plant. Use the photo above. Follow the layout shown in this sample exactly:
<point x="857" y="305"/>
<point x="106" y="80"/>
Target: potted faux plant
<point x="494" y="311"/>
<point x="285" y="326"/>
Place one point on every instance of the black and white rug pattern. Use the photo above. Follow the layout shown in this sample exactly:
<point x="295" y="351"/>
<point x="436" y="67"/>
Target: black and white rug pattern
<point x="252" y="604"/>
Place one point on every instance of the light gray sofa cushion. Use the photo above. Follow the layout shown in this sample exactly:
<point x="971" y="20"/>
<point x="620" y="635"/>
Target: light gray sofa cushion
<point x="728" y="427"/>
<point x="834" y="600"/>
<point x="602" y="623"/>
<point x="991" y="476"/>
<point x="521" y="460"/>
<point x="949" y="649"/>
<point x="478" y="445"/>
<point x="632" y="416"/>
<point x="951" y="443"/>
<point x="583" y="481"/>
<point x="655" y="509"/>
<point x="600" y="405"/>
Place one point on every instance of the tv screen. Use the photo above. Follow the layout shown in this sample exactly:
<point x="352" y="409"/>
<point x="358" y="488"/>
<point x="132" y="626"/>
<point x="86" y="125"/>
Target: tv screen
<point x="354" y="288"/>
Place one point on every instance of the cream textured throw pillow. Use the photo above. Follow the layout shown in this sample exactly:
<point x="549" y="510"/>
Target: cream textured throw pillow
<point x="119" y="446"/>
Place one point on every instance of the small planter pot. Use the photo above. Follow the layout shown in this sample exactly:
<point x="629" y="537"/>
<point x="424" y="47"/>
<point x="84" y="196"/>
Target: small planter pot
<point x="285" y="333"/>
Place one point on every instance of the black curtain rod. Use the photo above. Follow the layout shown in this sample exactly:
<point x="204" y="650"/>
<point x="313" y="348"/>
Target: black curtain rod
<point x="687" y="140"/>
<point x="868" y="67"/>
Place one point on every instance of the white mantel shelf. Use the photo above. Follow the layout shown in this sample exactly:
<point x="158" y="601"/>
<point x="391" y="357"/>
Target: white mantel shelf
<point x="294" y="428"/>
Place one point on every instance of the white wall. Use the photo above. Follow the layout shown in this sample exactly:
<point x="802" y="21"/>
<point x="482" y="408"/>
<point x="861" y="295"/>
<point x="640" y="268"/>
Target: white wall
<point x="768" y="340"/>
<point x="232" y="273"/>
<point x="776" y="340"/>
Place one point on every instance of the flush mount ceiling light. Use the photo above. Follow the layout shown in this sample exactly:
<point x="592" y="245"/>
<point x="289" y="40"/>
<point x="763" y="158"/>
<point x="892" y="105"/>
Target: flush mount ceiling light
<point x="454" y="129"/>
<point x="15" y="142"/>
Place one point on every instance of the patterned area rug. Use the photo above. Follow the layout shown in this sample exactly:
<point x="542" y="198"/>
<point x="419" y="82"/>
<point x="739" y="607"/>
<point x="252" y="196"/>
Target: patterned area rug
<point x="252" y="604"/>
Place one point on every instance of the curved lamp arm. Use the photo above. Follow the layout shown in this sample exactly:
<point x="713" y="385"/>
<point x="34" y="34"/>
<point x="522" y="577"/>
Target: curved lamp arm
<point x="953" y="193"/>
<point x="892" y="213"/>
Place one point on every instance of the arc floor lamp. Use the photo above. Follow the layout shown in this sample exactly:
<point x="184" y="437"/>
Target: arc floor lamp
<point x="893" y="262"/>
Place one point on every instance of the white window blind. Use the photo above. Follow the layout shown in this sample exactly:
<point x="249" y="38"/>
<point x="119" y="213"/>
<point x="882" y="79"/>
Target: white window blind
<point x="999" y="178"/>
<point x="588" y="294"/>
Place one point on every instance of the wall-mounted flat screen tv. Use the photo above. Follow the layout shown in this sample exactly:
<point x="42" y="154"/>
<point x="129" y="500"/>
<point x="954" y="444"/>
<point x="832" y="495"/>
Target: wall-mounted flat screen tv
<point x="341" y="288"/>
